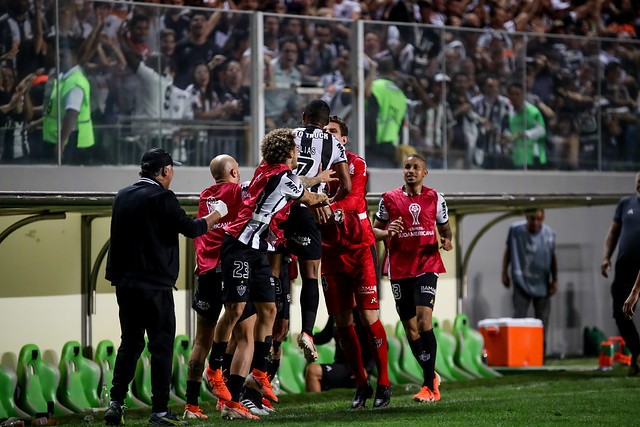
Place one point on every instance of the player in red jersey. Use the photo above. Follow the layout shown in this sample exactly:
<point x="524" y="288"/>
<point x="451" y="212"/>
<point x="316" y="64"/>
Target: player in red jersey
<point x="349" y="277"/>
<point x="408" y="217"/>
<point x="207" y="299"/>
<point x="245" y="267"/>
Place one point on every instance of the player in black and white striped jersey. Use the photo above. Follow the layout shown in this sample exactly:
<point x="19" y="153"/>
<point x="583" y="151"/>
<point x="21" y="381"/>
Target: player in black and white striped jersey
<point x="318" y="150"/>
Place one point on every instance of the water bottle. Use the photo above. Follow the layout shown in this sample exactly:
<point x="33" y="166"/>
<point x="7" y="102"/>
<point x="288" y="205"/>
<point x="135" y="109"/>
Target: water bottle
<point x="104" y="396"/>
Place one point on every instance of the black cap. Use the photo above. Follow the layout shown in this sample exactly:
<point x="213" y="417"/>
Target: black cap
<point x="157" y="158"/>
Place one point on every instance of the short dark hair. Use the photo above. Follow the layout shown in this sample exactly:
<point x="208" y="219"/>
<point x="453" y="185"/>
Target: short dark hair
<point x="317" y="112"/>
<point x="419" y="157"/>
<point x="344" y="129"/>
<point x="277" y="146"/>
<point x="285" y="40"/>
<point x="138" y="17"/>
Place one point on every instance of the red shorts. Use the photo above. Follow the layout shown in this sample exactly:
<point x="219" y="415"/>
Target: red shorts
<point x="349" y="280"/>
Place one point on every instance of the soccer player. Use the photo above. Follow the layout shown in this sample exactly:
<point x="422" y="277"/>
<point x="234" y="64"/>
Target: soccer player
<point x="349" y="278"/>
<point x="245" y="269"/>
<point x="407" y="218"/>
<point x="318" y="150"/>
<point x="207" y="299"/>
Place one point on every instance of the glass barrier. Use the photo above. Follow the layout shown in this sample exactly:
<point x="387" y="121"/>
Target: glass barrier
<point x="100" y="82"/>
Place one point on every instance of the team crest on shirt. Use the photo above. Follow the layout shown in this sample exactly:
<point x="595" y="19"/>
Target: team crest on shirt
<point x="378" y="342"/>
<point x="202" y="305"/>
<point x="414" y="210"/>
<point x="211" y="201"/>
<point x="241" y="289"/>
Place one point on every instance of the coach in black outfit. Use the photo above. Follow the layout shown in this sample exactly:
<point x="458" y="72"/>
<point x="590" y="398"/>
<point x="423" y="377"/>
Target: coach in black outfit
<point x="143" y="265"/>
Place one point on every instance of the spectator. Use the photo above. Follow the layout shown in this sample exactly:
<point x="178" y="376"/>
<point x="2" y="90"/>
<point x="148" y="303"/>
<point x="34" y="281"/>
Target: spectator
<point x="16" y="111"/>
<point x="21" y="31"/>
<point x="236" y="98"/>
<point x="493" y="112"/>
<point x="529" y="263"/>
<point x="527" y="132"/>
<point x="176" y="19"/>
<point x="167" y="42"/>
<point x="281" y="100"/>
<point x="319" y="58"/>
<point x="158" y="97"/>
<point x="432" y="120"/>
<point x="386" y="114"/>
<point x="620" y="117"/>
<point x="197" y="47"/>
<point x="461" y="147"/>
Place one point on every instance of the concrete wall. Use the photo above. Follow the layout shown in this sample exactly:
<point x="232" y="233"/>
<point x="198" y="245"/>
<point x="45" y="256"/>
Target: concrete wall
<point x="583" y="298"/>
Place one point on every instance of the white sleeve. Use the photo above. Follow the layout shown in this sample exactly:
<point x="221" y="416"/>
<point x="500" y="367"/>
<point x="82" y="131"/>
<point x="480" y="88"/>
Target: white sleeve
<point x="382" y="213"/>
<point x="338" y="154"/>
<point x="291" y="186"/>
<point x="74" y="99"/>
<point x="442" y="216"/>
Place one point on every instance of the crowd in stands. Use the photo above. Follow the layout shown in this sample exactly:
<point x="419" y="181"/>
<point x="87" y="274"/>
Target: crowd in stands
<point x="576" y="64"/>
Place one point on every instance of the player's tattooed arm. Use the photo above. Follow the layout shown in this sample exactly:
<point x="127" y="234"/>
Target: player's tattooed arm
<point x="444" y="230"/>
<point x="313" y="199"/>
<point x="327" y="175"/>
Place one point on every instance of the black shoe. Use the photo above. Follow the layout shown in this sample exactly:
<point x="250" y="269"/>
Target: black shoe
<point x="362" y="394"/>
<point x="168" y="419"/>
<point x="383" y="396"/>
<point x="634" y="370"/>
<point x="115" y="414"/>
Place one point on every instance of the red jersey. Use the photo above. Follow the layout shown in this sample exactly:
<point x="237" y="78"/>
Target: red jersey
<point x="415" y="251"/>
<point x="272" y="189"/>
<point x="356" y="230"/>
<point x="208" y="245"/>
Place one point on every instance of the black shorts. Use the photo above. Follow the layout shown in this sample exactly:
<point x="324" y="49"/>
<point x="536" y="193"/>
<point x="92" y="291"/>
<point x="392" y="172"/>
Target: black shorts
<point x="413" y="292"/>
<point x="207" y="298"/>
<point x="283" y="292"/>
<point x="337" y="375"/>
<point x="302" y="234"/>
<point x="249" y="310"/>
<point x="246" y="273"/>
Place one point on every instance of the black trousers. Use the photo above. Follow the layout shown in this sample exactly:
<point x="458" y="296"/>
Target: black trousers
<point x="151" y="311"/>
<point x="625" y="276"/>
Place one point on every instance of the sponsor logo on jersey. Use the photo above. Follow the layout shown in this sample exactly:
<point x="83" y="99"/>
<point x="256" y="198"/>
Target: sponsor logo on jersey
<point x="417" y="233"/>
<point x="373" y="300"/>
<point x="630" y="211"/>
<point x="378" y="342"/>
<point x="352" y="168"/>
<point x="325" y="285"/>
<point x="292" y="185"/>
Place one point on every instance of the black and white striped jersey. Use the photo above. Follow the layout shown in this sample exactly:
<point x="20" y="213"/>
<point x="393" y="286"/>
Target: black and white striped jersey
<point x="271" y="189"/>
<point x="316" y="147"/>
